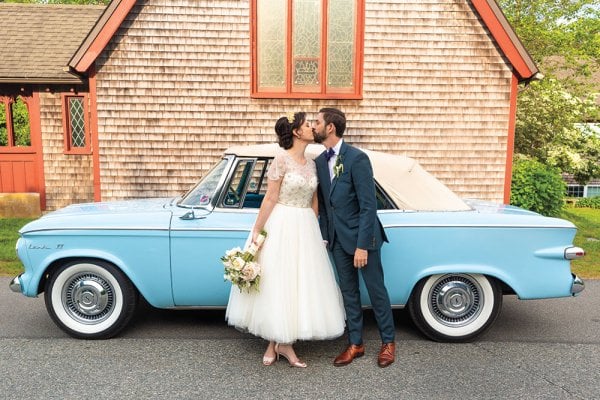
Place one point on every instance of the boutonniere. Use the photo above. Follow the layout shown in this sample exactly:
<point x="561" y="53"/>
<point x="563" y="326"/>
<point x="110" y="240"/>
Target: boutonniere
<point x="338" y="168"/>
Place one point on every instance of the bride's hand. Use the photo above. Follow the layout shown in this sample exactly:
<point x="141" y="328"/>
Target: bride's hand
<point x="255" y="234"/>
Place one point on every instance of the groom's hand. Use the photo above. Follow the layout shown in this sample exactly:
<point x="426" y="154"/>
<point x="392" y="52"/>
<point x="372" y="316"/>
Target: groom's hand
<point x="360" y="258"/>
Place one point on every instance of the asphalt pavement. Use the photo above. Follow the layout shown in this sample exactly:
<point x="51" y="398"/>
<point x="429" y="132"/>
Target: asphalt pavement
<point x="537" y="349"/>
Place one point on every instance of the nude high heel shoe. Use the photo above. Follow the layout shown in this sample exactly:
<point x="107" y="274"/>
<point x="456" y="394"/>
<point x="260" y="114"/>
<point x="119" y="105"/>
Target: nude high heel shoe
<point x="297" y="363"/>
<point x="269" y="360"/>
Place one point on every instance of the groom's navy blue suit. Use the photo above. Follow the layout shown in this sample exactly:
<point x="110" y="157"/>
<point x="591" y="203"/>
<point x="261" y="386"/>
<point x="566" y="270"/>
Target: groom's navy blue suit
<point x="348" y="220"/>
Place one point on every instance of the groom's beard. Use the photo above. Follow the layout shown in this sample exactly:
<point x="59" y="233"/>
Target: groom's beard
<point x="319" y="138"/>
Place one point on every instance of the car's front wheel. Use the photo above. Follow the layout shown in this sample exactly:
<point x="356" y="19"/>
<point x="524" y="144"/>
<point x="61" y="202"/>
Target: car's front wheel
<point x="455" y="307"/>
<point x="90" y="299"/>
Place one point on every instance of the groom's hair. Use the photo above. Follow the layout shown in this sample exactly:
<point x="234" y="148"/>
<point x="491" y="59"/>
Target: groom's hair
<point x="335" y="117"/>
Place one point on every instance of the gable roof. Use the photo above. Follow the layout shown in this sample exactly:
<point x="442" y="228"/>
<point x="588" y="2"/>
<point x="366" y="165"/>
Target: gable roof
<point x="40" y="39"/>
<point x="506" y="38"/>
<point x="488" y="10"/>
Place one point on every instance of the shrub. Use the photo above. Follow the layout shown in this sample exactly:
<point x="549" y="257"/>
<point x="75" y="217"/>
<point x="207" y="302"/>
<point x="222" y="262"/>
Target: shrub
<point x="589" y="202"/>
<point x="537" y="187"/>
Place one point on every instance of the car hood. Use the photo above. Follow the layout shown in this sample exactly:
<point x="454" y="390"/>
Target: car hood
<point x="129" y="214"/>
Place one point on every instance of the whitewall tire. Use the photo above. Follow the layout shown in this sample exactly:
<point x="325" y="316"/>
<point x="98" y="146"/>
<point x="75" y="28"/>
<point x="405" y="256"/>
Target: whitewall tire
<point x="455" y="307"/>
<point x="90" y="299"/>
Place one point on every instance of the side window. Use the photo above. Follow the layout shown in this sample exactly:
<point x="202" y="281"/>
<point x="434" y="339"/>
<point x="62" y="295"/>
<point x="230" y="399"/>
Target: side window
<point x="383" y="200"/>
<point x="257" y="188"/>
<point x="248" y="184"/>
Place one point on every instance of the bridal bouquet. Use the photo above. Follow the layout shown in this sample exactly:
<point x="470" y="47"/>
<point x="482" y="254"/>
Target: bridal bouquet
<point x="240" y="268"/>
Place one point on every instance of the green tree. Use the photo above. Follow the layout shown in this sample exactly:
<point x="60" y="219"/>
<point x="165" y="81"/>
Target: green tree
<point x="549" y="129"/>
<point x="563" y="37"/>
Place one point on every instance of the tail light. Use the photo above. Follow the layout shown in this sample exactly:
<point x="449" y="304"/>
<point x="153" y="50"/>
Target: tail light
<point x="573" y="253"/>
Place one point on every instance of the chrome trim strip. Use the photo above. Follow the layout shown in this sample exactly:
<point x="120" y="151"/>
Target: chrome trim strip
<point x="473" y="226"/>
<point x="247" y="230"/>
<point x="211" y="229"/>
<point x="96" y="229"/>
<point x="15" y="285"/>
<point x="577" y="286"/>
<point x="394" y="306"/>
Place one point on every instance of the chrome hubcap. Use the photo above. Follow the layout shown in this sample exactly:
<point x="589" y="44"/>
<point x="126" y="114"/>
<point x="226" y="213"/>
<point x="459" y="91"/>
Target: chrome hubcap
<point x="455" y="300"/>
<point x="88" y="298"/>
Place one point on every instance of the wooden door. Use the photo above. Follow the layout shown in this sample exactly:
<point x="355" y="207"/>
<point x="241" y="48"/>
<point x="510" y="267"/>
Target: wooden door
<point x="21" y="162"/>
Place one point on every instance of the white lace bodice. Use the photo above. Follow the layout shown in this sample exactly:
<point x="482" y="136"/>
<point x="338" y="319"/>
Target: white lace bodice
<point x="299" y="181"/>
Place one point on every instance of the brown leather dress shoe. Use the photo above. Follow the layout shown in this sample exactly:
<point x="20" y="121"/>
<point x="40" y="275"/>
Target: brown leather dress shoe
<point x="386" y="354"/>
<point x="353" y="351"/>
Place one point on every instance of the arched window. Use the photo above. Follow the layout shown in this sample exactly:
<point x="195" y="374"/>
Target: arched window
<point x="15" y="128"/>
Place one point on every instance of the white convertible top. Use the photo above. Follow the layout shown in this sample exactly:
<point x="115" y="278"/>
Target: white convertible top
<point x="408" y="185"/>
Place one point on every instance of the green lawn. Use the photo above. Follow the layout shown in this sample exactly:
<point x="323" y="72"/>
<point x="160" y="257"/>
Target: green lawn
<point x="586" y="219"/>
<point x="9" y="263"/>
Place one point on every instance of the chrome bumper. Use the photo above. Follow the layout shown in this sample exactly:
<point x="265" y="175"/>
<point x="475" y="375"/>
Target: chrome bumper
<point x="577" y="286"/>
<point x="15" y="285"/>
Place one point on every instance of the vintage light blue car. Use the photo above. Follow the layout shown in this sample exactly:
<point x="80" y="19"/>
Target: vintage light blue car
<point x="448" y="260"/>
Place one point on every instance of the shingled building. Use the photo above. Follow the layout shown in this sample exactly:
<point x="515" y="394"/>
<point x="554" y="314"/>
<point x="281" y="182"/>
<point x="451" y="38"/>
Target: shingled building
<point x="138" y="99"/>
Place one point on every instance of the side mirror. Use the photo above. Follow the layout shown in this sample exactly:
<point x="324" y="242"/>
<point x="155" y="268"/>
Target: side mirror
<point x="191" y="215"/>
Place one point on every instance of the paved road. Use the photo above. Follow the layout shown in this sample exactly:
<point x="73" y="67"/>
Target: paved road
<point x="542" y="349"/>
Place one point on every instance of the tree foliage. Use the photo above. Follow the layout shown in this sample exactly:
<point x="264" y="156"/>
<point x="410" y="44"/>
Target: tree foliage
<point x="549" y="129"/>
<point x="563" y="37"/>
<point x="537" y="187"/>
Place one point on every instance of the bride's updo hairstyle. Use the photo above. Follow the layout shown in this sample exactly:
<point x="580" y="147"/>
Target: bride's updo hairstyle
<point x="284" y="127"/>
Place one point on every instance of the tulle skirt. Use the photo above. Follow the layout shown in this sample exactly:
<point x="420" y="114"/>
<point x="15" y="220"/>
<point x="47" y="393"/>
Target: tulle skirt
<point x="298" y="297"/>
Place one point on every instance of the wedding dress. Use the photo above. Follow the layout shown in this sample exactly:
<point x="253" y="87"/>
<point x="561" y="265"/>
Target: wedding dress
<point x="298" y="297"/>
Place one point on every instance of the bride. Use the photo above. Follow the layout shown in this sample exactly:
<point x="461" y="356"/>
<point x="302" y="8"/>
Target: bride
<point x="298" y="297"/>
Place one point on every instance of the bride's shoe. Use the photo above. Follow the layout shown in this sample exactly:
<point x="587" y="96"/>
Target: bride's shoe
<point x="269" y="360"/>
<point x="296" y="363"/>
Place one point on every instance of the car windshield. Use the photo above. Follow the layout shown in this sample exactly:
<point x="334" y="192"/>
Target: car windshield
<point x="202" y="194"/>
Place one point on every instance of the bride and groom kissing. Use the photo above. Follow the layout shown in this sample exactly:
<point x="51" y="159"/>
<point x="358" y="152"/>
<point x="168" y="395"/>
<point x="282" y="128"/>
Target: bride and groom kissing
<point x="314" y="208"/>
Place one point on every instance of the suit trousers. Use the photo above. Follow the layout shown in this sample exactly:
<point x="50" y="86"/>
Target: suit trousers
<point x="372" y="275"/>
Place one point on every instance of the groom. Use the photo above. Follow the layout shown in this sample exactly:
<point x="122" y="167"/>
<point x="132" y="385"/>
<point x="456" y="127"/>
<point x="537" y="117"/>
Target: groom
<point x="353" y="233"/>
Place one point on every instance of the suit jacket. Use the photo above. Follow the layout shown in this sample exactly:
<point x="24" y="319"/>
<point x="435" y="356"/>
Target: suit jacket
<point x="347" y="204"/>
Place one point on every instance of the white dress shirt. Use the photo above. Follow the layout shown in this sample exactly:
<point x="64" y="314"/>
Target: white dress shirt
<point x="331" y="162"/>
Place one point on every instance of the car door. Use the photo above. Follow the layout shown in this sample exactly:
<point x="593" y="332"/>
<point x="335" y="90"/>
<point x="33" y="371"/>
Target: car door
<point x="198" y="241"/>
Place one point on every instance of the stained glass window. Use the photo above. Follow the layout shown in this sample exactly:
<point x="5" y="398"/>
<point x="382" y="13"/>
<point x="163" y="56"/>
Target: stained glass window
<point x="272" y="15"/>
<point x="307" y="46"/>
<point x="340" y="43"/>
<point x="77" y="140"/>
<point x="76" y="122"/>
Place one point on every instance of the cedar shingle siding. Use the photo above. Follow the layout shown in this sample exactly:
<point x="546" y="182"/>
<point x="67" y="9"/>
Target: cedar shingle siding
<point x="174" y="91"/>
<point x="69" y="178"/>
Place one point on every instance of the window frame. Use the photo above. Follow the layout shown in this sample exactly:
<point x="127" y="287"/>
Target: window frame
<point x="575" y="191"/>
<point x="66" y="121"/>
<point x="7" y="101"/>
<point x="324" y="92"/>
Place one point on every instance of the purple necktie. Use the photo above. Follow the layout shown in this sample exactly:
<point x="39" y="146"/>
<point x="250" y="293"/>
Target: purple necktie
<point x="329" y="153"/>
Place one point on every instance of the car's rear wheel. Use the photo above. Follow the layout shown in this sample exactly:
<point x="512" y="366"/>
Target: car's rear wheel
<point x="90" y="299"/>
<point x="455" y="307"/>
